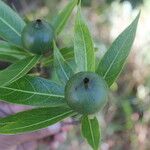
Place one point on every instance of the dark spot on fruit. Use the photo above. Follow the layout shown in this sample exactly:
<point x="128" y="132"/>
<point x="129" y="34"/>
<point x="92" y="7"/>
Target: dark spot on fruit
<point x="38" y="20"/>
<point x="38" y="23"/>
<point x="86" y="82"/>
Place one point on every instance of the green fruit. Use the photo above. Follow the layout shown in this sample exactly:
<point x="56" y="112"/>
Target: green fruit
<point x="86" y="92"/>
<point x="37" y="37"/>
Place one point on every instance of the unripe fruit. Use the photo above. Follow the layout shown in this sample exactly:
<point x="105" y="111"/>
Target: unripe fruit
<point x="86" y="92"/>
<point x="37" y="36"/>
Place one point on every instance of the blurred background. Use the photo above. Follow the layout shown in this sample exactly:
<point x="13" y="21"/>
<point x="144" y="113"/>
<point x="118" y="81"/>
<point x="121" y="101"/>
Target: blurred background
<point x="125" y="121"/>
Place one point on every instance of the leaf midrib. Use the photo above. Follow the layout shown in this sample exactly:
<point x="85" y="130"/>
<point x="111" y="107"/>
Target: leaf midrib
<point x="32" y="60"/>
<point x="62" y="22"/>
<point x="116" y="56"/>
<point x="61" y="115"/>
<point x="7" y="24"/>
<point x="30" y="92"/>
<point x="91" y="132"/>
<point x="57" y="53"/>
<point x="84" y="46"/>
<point x="7" y="52"/>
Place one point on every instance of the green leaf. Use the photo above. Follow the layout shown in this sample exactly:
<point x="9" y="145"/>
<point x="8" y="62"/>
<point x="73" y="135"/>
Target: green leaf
<point x="83" y="45"/>
<point x="66" y="52"/>
<point x="61" y="66"/>
<point x="60" y="20"/>
<point x="91" y="131"/>
<point x="17" y="70"/>
<point x="113" y="61"/>
<point x="34" y="119"/>
<point x="11" y="53"/>
<point x="11" y="25"/>
<point x="34" y="91"/>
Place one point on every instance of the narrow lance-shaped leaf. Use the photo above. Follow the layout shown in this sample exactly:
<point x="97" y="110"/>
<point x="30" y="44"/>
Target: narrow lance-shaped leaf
<point x="91" y="131"/>
<point x="32" y="120"/>
<point x="11" y="53"/>
<point x="83" y="45"/>
<point x="17" y="70"/>
<point x="60" y="20"/>
<point x="62" y="68"/>
<point x="34" y="91"/>
<point x="112" y="63"/>
<point x="11" y="25"/>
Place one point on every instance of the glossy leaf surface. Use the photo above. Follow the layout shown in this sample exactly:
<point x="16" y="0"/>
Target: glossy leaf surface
<point x="67" y="53"/>
<point x="91" y="131"/>
<point x="11" y="24"/>
<point x="11" y="53"/>
<point x="34" y="91"/>
<point x="17" y="70"/>
<point x="113" y="61"/>
<point x="32" y="120"/>
<point x="62" y="68"/>
<point x="60" y="20"/>
<point x="83" y="45"/>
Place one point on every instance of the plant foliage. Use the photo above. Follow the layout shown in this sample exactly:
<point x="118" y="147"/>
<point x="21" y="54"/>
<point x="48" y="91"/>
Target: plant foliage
<point x="19" y="87"/>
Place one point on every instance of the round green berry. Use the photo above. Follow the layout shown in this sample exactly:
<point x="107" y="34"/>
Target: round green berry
<point x="86" y="92"/>
<point x="37" y="37"/>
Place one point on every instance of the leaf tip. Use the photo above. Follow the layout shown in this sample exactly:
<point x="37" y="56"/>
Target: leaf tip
<point x="137" y="17"/>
